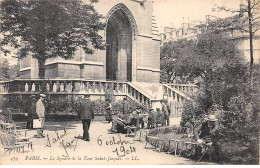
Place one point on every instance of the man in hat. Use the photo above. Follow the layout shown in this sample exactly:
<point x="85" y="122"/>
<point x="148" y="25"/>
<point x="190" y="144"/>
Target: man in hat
<point x="207" y="134"/>
<point x="152" y="120"/>
<point x="160" y="118"/>
<point x="86" y="115"/>
<point x="30" y="109"/>
<point x="165" y="112"/>
<point x="40" y="110"/>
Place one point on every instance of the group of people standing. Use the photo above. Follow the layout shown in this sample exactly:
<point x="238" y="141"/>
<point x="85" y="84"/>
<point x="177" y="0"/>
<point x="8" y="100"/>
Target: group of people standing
<point x="130" y="117"/>
<point x="36" y="110"/>
<point x="159" y="116"/>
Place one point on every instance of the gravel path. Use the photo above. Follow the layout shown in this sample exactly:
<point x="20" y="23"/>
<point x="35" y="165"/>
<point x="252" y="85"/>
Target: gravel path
<point x="61" y="145"/>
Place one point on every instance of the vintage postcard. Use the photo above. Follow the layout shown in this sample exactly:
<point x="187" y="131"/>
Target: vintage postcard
<point x="129" y="82"/>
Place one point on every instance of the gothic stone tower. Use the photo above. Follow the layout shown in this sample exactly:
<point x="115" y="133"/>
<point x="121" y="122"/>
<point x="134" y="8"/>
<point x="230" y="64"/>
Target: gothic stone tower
<point x="132" y="48"/>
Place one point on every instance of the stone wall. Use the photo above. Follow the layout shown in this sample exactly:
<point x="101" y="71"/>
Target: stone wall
<point x="148" y="59"/>
<point x="93" y="72"/>
<point x="51" y="71"/>
<point x="26" y="74"/>
<point x="68" y="71"/>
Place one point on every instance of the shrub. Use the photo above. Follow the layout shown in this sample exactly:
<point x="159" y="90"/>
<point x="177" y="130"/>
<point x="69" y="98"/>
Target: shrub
<point x="99" y="107"/>
<point x="238" y="125"/>
<point x="195" y="110"/>
<point x="118" y="106"/>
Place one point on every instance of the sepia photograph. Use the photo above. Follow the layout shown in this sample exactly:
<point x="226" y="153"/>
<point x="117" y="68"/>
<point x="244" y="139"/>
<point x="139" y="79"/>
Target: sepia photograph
<point x="129" y="82"/>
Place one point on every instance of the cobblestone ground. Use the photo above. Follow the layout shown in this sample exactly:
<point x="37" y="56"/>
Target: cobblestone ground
<point x="61" y="146"/>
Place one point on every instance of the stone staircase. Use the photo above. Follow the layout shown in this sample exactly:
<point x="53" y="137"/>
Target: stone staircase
<point x="176" y="94"/>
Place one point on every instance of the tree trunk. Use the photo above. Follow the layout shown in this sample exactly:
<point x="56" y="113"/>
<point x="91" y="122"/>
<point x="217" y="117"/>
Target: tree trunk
<point x="41" y="64"/>
<point x="251" y="42"/>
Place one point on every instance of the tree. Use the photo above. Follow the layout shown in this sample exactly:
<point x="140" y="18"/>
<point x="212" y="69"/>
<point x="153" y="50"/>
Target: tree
<point x="171" y="55"/>
<point x="225" y="91"/>
<point x="4" y="69"/>
<point x="8" y="72"/>
<point x="198" y="59"/>
<point x="50" y="28"/>
<point x="213" y="60"/>
<point x="245" y="23"/>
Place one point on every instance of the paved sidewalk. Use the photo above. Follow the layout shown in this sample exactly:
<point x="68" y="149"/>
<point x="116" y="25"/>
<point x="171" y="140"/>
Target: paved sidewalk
<point x="61" y="146"/>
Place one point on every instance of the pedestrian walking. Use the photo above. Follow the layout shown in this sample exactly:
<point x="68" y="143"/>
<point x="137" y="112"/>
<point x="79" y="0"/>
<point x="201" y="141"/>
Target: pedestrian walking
<point x="40" y="110"/>
<point x="86" y="115"/>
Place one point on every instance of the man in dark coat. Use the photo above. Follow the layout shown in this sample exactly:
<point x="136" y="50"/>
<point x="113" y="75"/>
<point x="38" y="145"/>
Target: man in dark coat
<point x="126" y="107"/>
<point x="86" y="115"/>
<point x="160" y="117"/>
<point x="207" y="134"/>
<point x="30" y="109"/>
<point x="165" y="112"/>
<point x="153" y="115"/>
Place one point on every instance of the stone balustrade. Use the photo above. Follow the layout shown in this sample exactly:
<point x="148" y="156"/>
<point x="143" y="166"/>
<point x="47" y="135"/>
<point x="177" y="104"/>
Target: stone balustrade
<point x="188" y="89"/>
<point x="176" y="93"/>
<point x="77" y="87"/>
<point x="62" y="86"/>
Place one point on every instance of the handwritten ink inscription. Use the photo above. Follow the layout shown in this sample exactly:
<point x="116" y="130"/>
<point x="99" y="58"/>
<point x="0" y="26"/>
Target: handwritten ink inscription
<point x="122" y="146"/>
<point x="59" y="138"/>
<point x="123" y="151"/>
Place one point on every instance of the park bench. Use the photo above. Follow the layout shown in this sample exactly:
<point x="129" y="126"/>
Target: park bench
<point x="20" y="131"/>
<point x="12" y="128"/>
<point x="9" y="144"/>
<point x="6" y="124"/>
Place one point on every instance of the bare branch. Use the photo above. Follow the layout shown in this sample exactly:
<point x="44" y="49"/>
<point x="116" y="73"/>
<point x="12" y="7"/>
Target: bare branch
<point x="241" y="29"/>
<point x="223" y="8"/>
<point x="255" y="18"/>
<point x="254" y="5"/>
<point x="255" y="24"/>
<point x="253" y="33"/>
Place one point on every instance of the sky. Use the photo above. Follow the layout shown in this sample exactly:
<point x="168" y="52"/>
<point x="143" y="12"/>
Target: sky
<point x="174" y="12"/>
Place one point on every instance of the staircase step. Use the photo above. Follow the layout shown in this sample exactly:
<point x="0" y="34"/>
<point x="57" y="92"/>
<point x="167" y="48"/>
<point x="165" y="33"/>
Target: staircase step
<point x="155" y="90"/>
